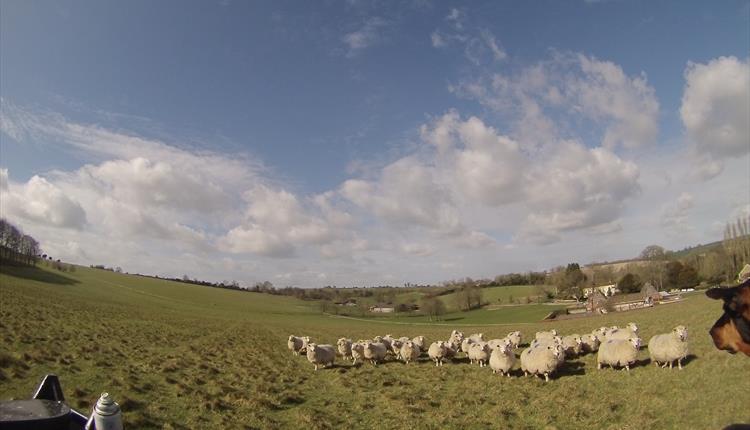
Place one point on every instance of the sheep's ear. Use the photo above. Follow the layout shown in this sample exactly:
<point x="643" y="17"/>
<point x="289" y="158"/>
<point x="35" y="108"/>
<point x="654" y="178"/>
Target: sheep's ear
<point x="721" y="293"/>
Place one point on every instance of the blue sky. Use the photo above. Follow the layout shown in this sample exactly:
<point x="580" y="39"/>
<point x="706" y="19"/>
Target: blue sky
<point x="369" y="142"/>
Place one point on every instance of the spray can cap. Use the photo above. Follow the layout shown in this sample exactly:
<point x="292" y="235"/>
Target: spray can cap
<point x="106" y="405"/>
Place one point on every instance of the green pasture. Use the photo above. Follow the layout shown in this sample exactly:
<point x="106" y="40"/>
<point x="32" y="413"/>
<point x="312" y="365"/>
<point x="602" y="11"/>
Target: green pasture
<point x="184" y="356"/>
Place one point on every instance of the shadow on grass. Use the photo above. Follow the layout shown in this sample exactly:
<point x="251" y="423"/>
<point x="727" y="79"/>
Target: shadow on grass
<point x="685" y="361"/>
<point x="571" y="368"/>
<point x="36" y="274"/>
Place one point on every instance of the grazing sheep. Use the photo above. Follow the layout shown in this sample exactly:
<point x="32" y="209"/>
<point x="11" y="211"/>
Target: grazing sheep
<point x="477" y="337"/>
<point x="345" y="347"/>
<point x="618" y="352"/>
<point x="450" y="352"/>
<point x="590" y="343"/>
<point x="540" y="335"/>
<point x="320" y="354"/>
<point x="395" y="349"/>
<point x="386" y="340"/>
<point x="479" y="352"/>
<point x="375" y="351"/>
<point x="545" y="341"/>
<point x="358" y="351"/>
<point x="572" y="345"/>
<point x="502" y="359"/>
<point x="438" y="352"/>
<point x="540" y="360"/>
<point x="410" y="351"/>
<point x="669" y="347"/>
<point x="631" y="330"/>
<point x="515" y="338"/>
<point x="499" y="343"/>
<point x="298" y="345"/>
<point x="601" y="332"/>
<point x="456" y="339"/>
<point x="420" y="342"/>
<point x="466" y="344"/>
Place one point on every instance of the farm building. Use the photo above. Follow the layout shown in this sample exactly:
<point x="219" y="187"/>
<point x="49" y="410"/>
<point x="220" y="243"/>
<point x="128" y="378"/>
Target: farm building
<point x="596" y="302"/>
<point x="650" y="294"/>
<point x="607" y="290"/>
<point x="383" y="309"/>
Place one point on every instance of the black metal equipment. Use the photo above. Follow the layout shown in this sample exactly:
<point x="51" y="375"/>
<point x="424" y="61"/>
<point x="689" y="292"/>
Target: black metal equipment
<point x="46" y="410"/>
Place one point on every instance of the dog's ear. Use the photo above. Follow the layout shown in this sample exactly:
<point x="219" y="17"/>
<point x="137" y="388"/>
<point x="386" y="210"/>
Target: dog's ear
<point x="721" y="293"/>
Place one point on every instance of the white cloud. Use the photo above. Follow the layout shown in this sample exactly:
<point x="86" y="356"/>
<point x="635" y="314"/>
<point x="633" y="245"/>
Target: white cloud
<point x="571" y="88"/>
<point x="366" y="36"/>
<point x="437" y="40"/>
<point x="577" y="188"/>
<point x="674" y="215"/>
<point x="41" y="202"/>
<point x="715" y="111"/>
<point x="406" y="194"/>
<point x="498" y="52"/>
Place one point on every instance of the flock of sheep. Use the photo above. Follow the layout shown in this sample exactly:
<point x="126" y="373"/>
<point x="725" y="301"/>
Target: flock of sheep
<point x="615" y="346"/>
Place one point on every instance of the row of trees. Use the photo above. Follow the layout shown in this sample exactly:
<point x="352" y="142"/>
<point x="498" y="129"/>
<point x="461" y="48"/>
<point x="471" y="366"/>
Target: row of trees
<point x="17" y="247"/>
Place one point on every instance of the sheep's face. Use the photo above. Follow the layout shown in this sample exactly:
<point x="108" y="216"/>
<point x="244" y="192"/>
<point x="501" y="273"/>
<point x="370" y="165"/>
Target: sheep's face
<point x="554" y="332"/>
<point x="636" y="342"/>
<point x="291" y="338"/>
<point x="311" y="348"/>
<point x="681" y="332"/>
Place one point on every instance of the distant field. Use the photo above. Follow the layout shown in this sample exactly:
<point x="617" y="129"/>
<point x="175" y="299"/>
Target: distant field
<point x="183" y="356"/>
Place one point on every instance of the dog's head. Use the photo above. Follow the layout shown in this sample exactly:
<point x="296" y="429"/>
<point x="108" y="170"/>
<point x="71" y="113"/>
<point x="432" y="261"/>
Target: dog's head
<point x="732" y="331"/>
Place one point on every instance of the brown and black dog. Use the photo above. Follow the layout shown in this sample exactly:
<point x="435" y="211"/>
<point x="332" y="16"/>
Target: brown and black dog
<point x="732" y="331"/>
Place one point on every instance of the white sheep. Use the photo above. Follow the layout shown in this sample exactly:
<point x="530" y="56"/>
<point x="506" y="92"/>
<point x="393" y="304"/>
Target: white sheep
<point x="438" y="352"/>
<point x="618" y="352"/>
<point x="297" y="344"/>
<point x="375" y="351"/>
<point x="572" y="345"/>
<point x="395" y="349"/>
<point x="541" y="360"/>
<point x="456" y="338"/>
<point x="466" y="344"/>
<point x="320" y="354"/>
<point x="499" y="343"/>
<point x="590" y="343"/>
<point x="358" y="351"/>
<point x="669" y="347"/>
<point x="477" y="337"/>
<point x="420" y="342"/>
<point x="631" y="330"/>
<point x="409" y="351"/>
<point x="545" y="334"/>
<point x="502" y="359"/>
<point x="386" y="340"/>
<point x="479" y="352"/>
<point x="515" y="338"/>
<point x="345" y="347"/>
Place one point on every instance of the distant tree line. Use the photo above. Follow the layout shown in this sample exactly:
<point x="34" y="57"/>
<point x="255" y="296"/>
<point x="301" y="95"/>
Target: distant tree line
<point x="17" y="247"/>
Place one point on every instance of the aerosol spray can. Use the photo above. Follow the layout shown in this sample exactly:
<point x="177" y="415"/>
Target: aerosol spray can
<point x="106" y="415"/>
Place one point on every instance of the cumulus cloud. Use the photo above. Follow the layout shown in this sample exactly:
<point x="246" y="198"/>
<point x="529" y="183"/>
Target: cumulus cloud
<point x="276" y="222"/>
<point x="571" y="88"/>
<point x="487" y="166"/>
<point x="577" y="188"/>
<point x="406" y="194"/>
<point x="715" y="111"/>
<point x="41" y="202"/>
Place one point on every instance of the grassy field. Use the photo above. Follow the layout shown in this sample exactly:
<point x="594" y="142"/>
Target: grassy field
<point x="183" y="356"/>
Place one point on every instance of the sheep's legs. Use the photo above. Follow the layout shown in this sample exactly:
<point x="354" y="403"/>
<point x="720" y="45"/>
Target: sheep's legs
<point x="679" y="363"/>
